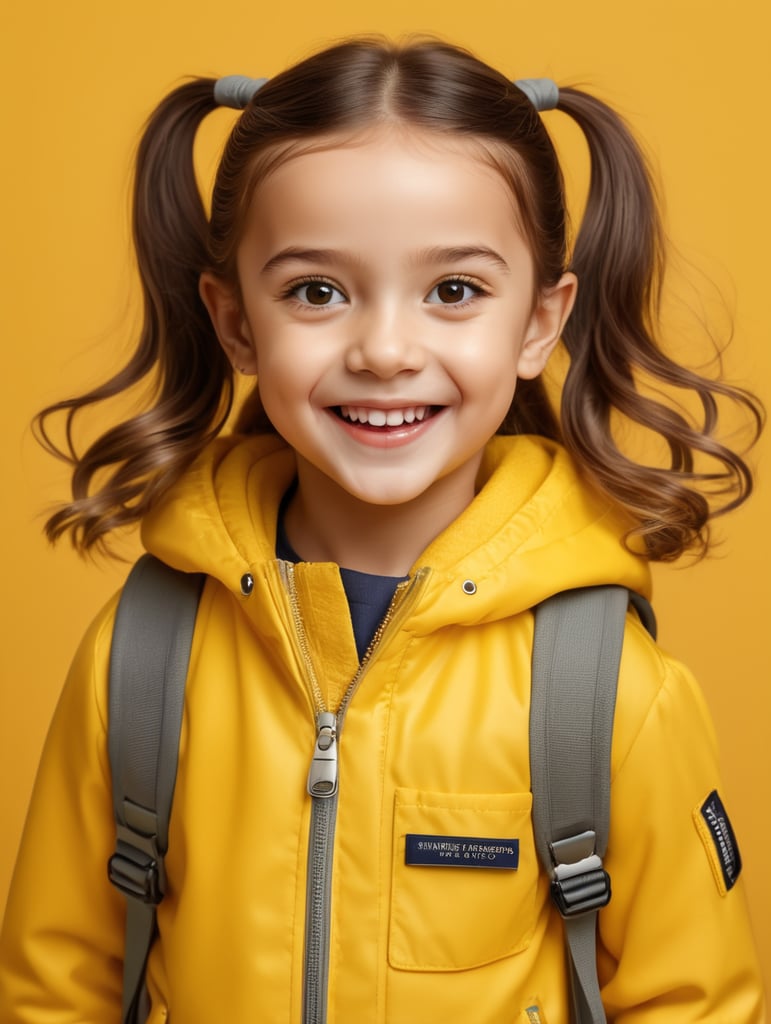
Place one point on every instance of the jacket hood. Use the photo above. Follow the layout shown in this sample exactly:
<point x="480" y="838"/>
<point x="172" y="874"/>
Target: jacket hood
<point x="534" y="528"/>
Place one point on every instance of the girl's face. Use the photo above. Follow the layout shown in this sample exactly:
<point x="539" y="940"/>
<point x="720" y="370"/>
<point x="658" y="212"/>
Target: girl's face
<point x="387" y="306"/>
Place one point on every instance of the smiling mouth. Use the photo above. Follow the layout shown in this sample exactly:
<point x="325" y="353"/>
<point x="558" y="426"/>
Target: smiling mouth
<point x="384" y="418"/>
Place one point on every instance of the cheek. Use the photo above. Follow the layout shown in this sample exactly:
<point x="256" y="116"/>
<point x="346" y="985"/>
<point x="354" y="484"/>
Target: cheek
<point x="277" y="384"/>
<point x="490" y="381"/>
<point x="287" y="376"/>
<point x="487" y="359"/>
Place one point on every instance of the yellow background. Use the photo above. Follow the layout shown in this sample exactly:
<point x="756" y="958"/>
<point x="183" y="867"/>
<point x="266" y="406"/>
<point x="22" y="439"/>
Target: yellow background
<point x="78" y="80"/>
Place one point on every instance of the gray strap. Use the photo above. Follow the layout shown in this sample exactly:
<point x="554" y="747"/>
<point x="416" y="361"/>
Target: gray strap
<point x="576" y="655"/>
<point x="644" y="612"/>
<point x="140" y="933"/>
<point x="148" y="667"/>
<point x="581" y="935"/>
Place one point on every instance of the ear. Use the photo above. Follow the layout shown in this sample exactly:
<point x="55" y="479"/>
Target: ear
<point x="549" y="316"/>
<point x="222" y="302"/>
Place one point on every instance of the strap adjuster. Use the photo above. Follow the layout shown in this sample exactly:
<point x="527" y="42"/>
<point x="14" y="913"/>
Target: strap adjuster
<point x="579" y="881"/>
<point x="136" y="867"/>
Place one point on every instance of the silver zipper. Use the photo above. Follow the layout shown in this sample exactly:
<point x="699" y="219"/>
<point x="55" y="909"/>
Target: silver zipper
<point x="321" y="848"/>
<point x="322" y="778"/>
<point x="323" y="787"/>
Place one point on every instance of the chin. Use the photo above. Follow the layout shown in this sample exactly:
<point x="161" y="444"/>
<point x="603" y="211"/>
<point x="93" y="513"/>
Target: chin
<point x="385" y="494"/>
<point x="387" y="498"/>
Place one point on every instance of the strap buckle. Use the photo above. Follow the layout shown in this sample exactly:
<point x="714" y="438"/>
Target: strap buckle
<point x="136" y="867"/>
<point x="579" y="882"/>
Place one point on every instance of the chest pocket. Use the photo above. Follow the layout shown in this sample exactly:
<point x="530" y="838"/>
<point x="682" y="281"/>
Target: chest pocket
<point x="448" y="913"/>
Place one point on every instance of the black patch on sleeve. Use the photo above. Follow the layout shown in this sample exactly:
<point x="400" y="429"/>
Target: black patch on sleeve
<point x="726" y="847"/>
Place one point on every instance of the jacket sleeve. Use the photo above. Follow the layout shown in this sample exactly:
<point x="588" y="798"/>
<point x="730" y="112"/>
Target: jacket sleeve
<point x="61" y="946"/>
<point x="675" y="940"/>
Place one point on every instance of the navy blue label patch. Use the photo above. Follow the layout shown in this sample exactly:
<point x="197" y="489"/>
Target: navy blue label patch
<point x="726" y="847"/>
<point x="461" y="852"/>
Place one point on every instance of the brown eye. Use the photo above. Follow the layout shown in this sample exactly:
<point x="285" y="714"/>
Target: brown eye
<point x="452" y="292"/>
<point x="318" y="293"/>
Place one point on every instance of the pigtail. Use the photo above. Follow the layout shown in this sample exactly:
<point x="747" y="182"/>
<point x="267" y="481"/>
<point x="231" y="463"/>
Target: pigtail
<point x="611" y="339"/>
<point x="116" y="479"/>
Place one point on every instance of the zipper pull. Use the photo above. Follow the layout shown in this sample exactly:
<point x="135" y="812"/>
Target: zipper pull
<point x="322" y="778"/>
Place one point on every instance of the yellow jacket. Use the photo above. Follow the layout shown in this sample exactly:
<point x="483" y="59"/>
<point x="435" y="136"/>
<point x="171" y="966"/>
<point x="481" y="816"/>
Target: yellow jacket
<point x="434" y="744"/>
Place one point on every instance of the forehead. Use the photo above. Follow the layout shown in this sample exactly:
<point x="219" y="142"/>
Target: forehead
<point x="391" y="181"/>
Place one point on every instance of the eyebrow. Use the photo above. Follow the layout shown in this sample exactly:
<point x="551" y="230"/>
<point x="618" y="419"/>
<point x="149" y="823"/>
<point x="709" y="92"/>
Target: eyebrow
<point x="293" y="254"/>
<point x="435" y="254"/>
<point x="461" y="253"/>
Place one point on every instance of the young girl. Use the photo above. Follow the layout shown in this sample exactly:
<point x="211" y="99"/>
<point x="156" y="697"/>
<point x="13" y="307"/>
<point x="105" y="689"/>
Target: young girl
<point x="387" y="253"/>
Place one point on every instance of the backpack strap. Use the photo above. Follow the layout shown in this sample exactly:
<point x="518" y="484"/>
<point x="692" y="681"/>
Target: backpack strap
<point x="150" y="651"/>
<point x="576" y="655"/>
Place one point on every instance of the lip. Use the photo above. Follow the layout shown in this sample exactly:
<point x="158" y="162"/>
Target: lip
<point x="387" y="437"/>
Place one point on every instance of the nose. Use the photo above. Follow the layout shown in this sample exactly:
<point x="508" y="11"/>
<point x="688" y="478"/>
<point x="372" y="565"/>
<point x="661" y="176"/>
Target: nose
<point x="384" y="343"/>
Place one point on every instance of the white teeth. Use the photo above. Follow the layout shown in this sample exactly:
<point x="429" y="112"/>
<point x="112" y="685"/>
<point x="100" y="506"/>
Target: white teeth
<point x="384" y="417"/>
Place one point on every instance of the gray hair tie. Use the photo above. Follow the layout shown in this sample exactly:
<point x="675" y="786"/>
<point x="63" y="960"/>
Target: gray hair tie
<point x="236" y="90"/>
<point x="542" y="92"/>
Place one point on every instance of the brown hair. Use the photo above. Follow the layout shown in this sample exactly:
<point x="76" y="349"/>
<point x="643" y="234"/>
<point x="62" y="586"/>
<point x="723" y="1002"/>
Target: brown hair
<point x="610" y="336"/>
